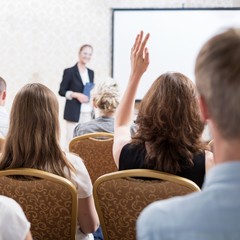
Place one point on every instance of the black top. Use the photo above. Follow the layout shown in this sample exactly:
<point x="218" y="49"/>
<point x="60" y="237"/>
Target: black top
<point x="72" y="81"/>
<point x="132" y="157"/>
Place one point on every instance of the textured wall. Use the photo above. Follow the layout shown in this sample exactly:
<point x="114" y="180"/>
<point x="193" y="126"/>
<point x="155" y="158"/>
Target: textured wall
<point x="38" y="39"/>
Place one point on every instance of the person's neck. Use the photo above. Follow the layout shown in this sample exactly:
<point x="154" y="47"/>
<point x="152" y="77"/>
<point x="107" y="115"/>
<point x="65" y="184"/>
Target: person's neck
<point x="225" y="150"/>
<point x="82" y="67"/>
<point x="104" y="114"/>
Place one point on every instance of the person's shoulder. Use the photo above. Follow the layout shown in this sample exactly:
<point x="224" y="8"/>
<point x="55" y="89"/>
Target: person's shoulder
<point x="70" y="68"/>
<point x="10" y="204"/>
<point x="6" y="201"/>
<point x="90" y="70"/>
<point x="84" y="128"/>
<point x="73" y="158"/>
<point x="162" y="214"/>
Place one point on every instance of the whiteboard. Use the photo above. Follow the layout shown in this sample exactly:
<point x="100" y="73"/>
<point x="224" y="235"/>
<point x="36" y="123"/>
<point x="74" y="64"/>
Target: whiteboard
<point x="176" y="36"/>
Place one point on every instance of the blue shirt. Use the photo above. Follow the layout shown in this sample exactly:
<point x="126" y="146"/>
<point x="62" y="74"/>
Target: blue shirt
<point x="213" y="214"/>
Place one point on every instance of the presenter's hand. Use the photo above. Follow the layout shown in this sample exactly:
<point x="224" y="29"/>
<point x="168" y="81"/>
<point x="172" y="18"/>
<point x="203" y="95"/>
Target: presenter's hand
<point x="80" y="97"/>
<point x="139" y="55"/>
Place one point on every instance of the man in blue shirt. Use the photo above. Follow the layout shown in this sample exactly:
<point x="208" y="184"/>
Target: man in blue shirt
<point x="214" y="213"/>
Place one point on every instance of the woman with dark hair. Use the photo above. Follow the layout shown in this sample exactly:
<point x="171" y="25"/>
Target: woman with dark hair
<point x="168" y="136"/>
<point x="33" y="142"/>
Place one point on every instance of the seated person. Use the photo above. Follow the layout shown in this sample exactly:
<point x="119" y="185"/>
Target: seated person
<point x="13" y="222"/>
<point x="168" y="136"/>
<point x="33" y="142"/>
<point x="105" y="97"/>
<point x="4" y="117"/>
<point x="214" y="212"/>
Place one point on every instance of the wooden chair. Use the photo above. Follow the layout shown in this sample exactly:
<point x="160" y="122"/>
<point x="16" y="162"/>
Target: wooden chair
<point x="121" y="196"/>
<point x="49" y="201"/>
<point x="1" y="144"/>
<point x="96" y="151"/>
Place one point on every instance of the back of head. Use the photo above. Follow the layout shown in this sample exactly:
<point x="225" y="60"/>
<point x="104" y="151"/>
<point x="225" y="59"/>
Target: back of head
<point x="106" y="95"/>
<point x="169" y="122"/>
<point x="3" y="85"/>
<point x="217" y="73"/>
<point x="33" y="135"/>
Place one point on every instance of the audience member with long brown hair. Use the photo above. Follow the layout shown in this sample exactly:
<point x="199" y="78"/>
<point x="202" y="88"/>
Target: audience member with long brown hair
<point x="33" y="142"/>
<point x="169" y="124"/>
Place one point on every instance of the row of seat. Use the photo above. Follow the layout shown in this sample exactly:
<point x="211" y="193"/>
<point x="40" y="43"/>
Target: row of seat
<point x="50" y="201"/>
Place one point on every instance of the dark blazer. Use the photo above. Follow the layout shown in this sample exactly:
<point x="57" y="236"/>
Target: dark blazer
<point x="72" y="81"/>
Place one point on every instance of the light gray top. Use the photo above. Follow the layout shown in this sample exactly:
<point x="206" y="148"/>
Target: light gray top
<point x="100" y="124"/>
<point x="211" y="214"/>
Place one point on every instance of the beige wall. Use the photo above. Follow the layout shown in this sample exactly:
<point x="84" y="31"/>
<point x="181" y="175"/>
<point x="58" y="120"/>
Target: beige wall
<point x="41" y="38"/>
<point x="236" y="3"/>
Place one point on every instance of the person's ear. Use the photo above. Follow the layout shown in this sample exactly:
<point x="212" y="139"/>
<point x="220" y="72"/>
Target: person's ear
<point x="203" y="108"/>
<point x="3" y="96"/>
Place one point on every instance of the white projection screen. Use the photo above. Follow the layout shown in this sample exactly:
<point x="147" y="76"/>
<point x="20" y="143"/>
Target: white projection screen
<point x="176" y="36"/>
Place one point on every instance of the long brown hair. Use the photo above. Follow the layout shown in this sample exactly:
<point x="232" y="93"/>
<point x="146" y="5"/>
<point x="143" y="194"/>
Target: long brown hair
<point x="169" y="124"/>
<point x="33" y="136"/>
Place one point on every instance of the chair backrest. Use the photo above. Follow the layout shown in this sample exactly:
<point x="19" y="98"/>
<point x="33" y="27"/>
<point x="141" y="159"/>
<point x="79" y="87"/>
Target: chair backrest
<point x="1" y="144"/>
<point x="121" y="196"/>
<point x="49" y="201"/>
<point x="95" y="149"/>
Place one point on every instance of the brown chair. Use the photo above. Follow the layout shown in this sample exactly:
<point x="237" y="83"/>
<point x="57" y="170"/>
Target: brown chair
<point x="49" y="201"/>
<point x="121" y="196"/>
<point x="2" y="141"/>
<point x="96" y="151"/>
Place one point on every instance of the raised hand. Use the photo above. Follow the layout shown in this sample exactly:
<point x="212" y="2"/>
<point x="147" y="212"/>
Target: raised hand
<point x="139" y="55"/>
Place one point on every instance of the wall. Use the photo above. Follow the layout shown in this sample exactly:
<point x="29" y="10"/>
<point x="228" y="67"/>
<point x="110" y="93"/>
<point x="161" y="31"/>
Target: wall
<point x="41" y="38"/>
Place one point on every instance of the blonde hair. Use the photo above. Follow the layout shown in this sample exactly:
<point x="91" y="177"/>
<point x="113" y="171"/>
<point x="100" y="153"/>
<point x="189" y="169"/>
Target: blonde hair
<point x="106" y="95"/>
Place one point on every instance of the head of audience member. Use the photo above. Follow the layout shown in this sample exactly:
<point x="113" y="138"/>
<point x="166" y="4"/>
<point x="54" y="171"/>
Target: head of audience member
<point x="169" y="123"/>
<point x="217" y="73"/>
<point x="85" y="54"/>
<point x="33" y="138"/>
<point x="105" y="96"/>
<point x="3" y="88"/>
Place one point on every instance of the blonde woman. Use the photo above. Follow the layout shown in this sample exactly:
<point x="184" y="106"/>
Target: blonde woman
<point x="33" y="142"/>
<point x="105" y="96"/>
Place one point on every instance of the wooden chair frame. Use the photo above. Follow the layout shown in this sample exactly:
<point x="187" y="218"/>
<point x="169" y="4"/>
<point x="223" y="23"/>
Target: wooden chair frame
<point x="52" y="178"/>
<point x="98" y="137"/>
<point x="137" y="173"/>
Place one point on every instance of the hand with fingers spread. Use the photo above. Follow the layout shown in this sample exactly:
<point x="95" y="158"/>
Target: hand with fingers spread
<point x="139" y="55"/>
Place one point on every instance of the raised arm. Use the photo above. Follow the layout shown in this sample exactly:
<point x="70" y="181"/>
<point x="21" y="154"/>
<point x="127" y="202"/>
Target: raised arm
<point x="123" y="116"/>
